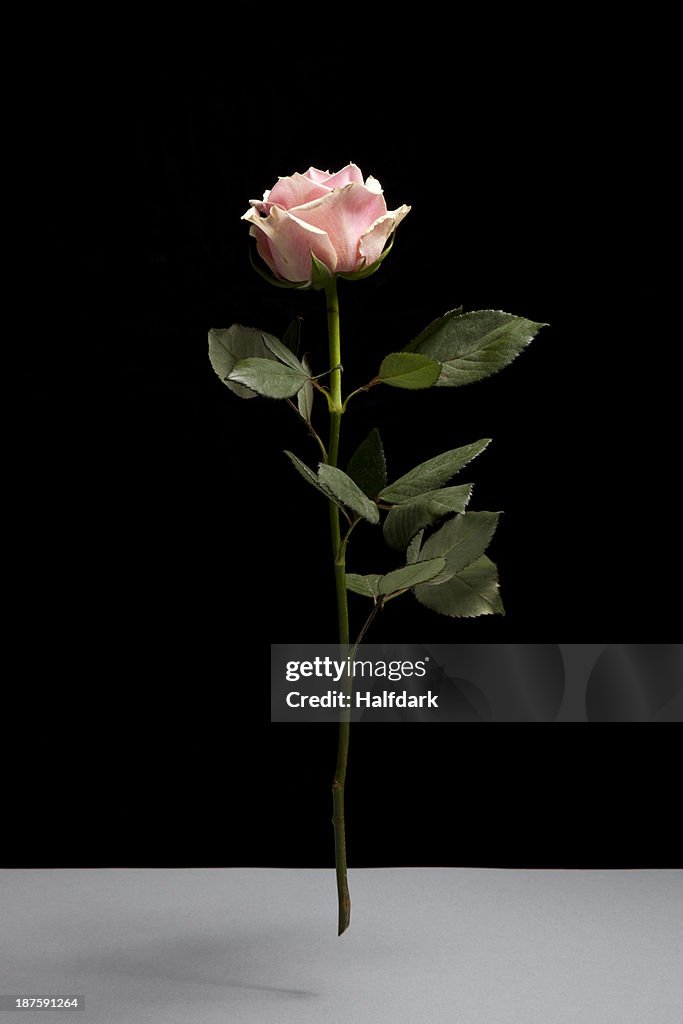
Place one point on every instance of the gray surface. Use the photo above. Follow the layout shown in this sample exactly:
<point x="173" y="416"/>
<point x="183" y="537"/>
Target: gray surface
<point x="425" y="946"/>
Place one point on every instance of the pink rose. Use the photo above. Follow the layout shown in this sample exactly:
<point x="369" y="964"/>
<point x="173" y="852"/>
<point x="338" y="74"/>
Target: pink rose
<point x="340" y="218"/>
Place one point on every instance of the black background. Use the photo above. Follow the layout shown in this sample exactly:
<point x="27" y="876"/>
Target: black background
<point x="163" y="541"/>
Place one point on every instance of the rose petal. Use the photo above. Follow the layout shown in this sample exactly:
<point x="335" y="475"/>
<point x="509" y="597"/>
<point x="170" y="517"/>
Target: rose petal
<point x="344" y="215"/>
<point x="263" y="246"/>
<point x="291" y="242"/>
<point x="294" y="191"/>
<point x="373" y="241"/>
<point x="345" y="177"/>
<point x="315" y="175"/>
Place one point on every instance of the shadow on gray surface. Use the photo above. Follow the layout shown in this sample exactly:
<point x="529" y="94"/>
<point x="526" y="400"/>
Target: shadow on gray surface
<point x="215" y="961"/>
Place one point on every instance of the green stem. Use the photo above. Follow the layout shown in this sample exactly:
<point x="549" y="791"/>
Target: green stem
<point x="376" y="608"/>
<point x="366" y="387"/>
<point x="338" y="784"/>
<point x="339" y="555"/>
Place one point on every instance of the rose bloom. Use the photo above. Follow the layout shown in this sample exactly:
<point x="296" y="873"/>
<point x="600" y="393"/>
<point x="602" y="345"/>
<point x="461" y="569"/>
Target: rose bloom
<point x="340" y="218"/>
